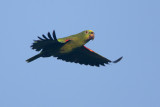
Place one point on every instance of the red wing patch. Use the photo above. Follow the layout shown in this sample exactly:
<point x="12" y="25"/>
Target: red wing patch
<point x="67" y="40"/>
<point x="88" y="49"/>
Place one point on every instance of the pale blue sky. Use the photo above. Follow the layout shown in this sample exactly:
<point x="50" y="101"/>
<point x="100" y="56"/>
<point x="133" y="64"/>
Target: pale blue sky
<point x="129" y="28"/>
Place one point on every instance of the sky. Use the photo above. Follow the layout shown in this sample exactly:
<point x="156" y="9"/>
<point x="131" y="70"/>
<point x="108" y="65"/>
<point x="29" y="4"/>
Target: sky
<point x="128" y="28"/>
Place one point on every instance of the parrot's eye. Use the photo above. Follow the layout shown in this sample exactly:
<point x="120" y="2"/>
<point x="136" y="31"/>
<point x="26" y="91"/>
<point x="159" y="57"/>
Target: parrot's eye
<point x="92" y="33"/>
<point x="86" y="32"/>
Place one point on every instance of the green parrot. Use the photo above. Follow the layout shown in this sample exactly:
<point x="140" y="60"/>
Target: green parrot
<point x="69" y="49"/>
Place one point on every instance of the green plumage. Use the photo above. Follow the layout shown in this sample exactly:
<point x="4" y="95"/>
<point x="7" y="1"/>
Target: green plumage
<point x="70" y="49"/>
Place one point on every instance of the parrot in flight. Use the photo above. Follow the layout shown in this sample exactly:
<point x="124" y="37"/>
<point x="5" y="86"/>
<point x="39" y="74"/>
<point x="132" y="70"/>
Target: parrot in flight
<point x="69" y="49"/>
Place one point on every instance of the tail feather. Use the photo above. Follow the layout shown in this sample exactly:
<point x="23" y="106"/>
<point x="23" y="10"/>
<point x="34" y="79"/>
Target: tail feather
<point x="33" y="58"/>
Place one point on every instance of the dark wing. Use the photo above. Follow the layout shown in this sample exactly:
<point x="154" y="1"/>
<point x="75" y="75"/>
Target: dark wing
<point x="83" y="55"/>
<point x="45" y="43"/>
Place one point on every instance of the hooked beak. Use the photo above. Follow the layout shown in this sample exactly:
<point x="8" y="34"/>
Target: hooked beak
<point x="91" y="36"/>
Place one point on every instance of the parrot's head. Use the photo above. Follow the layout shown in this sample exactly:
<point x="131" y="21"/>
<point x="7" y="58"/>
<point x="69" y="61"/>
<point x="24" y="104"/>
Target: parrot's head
<point x="89" y="35"/>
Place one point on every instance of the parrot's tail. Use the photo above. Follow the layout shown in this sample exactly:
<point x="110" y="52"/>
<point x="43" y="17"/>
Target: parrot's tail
<point x="33" y="58"/>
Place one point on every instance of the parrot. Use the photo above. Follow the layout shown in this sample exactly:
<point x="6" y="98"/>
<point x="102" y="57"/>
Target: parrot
<point x="69" y="49"/>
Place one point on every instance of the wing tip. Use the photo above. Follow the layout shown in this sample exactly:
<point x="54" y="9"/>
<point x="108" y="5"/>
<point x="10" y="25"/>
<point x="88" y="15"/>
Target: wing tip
<point x="49" y="37"/>
<point x="54" y="35"/>
<point x="119" y="59"/>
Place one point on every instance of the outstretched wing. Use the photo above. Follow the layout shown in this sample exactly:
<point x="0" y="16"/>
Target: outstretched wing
<point x="84" y="55"/>
<point x="45" y="43"/>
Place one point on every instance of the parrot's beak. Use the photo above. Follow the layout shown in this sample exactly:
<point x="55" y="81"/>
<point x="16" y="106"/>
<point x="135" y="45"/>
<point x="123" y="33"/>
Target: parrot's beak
<point x="91" y="36"/>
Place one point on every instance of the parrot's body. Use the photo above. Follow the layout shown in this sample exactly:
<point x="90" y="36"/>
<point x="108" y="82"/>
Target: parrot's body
<point x="70" y="49"/>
